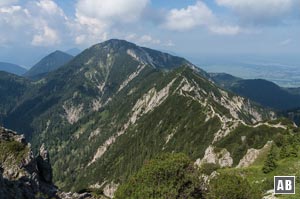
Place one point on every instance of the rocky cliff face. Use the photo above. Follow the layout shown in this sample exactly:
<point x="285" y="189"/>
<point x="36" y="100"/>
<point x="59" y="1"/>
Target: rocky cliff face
<point x="24" y="176"/>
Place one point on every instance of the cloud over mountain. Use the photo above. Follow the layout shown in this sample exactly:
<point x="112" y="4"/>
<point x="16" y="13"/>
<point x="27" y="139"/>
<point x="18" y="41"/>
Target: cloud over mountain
<point x="190" y="17"/>
<point x="198" y="15"/>
<point x="94" y="19"/>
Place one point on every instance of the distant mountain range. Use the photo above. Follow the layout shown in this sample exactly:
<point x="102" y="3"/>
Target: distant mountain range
<point x="282" y="69"/>
<point x="73" y="51"/>
<point x="12" y="68"/>
<point x="49" y="63"/>
<point x="264" y="92"/>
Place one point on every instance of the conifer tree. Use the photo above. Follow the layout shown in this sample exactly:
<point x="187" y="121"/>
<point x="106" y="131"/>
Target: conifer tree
<point x="270" y="163"/>
<point x="293" y="151"/>
<point x="283" y="152"/>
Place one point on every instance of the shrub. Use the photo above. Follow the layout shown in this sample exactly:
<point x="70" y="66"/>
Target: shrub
<point x="270" y="163"/>
<point x="208" y="168"/>
<point x="168" y="176"/>
<point x="15" y="146"/>
<point x="230" y="186"/>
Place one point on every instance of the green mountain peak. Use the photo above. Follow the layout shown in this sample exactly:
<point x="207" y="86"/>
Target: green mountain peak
<point x="47" y="64"/>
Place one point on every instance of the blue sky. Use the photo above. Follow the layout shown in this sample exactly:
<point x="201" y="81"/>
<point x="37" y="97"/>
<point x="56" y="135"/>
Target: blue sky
<point x="29" y="29"/>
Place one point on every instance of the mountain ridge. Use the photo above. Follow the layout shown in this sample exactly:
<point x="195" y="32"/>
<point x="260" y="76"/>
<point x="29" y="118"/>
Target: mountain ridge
<point x="47" y="64"/>
<point x="12" y="68"/>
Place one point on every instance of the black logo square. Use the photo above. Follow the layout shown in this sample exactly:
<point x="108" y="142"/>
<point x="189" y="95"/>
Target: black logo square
<point x="284" y="184"/>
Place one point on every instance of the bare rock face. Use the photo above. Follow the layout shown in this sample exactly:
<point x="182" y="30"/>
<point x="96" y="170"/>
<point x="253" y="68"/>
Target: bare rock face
<point x="8" y="135"/>
<point x="252" y="155"/>
<point x="221" y="158"/>
<point x="110" y="189"/>
<point x="43" y="164"/>
<point x="24" y="176"/>
<point x="70" y="195"/>
<point x="21" y="174"/>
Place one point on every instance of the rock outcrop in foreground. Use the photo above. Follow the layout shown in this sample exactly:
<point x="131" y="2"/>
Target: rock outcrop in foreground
<point x="22" y="175"/>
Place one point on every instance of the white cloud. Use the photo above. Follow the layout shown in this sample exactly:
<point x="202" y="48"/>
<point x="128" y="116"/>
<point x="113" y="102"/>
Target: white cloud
<point x="260" y="11"/>
<point x="7" y="2"/>
<point x="169" y="43"/>
<point x="39" y="23"/>
<point x="50" y="7"/>
<point x="10" y="10"/>
<point x="49" y="22"/>
<point x="198" y="15"/>
<point x="143" y="39"/>
<point x="44" y="23"/>
<point x="46" y="37"/>
<point x="13" y="16"/>
<point x="95" y="19"/>
<point x="190" y="17"/>
<point x="116" y="10"/>
<point x="148" y="39"/>
<point x="225" y="30"/>
<point x="13" y="19"/>
<point x="89" y="30"/>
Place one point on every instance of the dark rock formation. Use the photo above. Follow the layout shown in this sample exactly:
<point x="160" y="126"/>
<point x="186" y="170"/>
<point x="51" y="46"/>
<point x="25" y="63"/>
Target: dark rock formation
<point x="23" y="176"/>
<point x="43" y="164"/>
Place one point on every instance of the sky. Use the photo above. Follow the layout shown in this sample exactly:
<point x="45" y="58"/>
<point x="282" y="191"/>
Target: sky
<point x="30" y="29"/>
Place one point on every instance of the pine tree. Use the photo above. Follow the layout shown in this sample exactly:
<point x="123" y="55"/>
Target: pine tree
<point x="270" y="163"/>
<point x="293" y="151"/>
<point x="283" y="152"/>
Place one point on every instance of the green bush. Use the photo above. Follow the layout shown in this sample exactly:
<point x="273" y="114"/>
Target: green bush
<point x="12" y="148"/>
<point x="208" y="168"/>
<point x="168" y="176"/>
<point x="15" y="146"/>
<point x="293" y="151"/>
<point x="230" y="186"/>
<point x="283" y="152"/>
